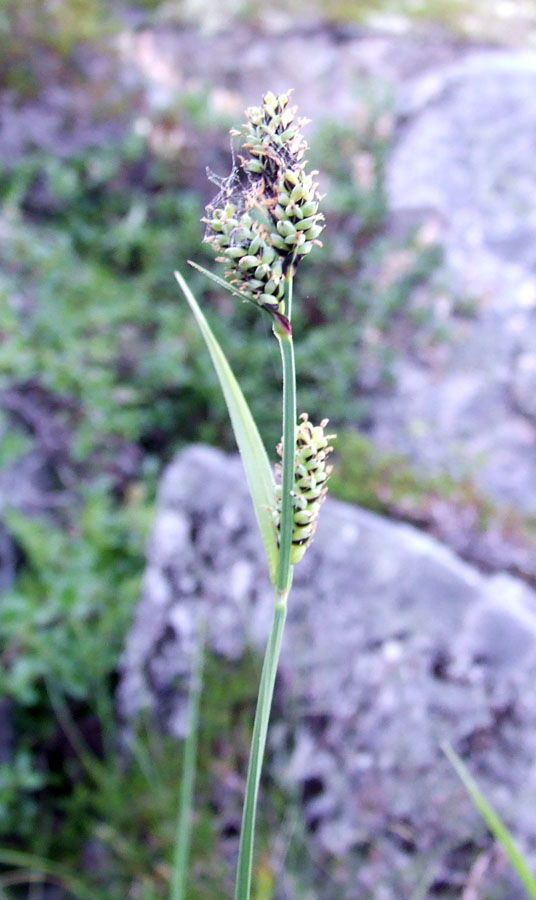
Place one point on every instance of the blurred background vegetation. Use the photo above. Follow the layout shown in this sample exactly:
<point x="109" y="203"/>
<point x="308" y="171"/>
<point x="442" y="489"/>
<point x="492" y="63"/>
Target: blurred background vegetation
<point x="103" y="378"/>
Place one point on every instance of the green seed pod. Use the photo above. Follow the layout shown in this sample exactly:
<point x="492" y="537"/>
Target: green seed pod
<point x="297" y="552"/>
<point x="285" y="228"/>
<point x="270" y="287"/>
<point x="312" y="233"/>
<point x="255" y="165"/>
<point x="287" y="135"/>
<point x="309" y="208"/>
<point x="291" y="177"/>
<point x="303" y="517"/>
<point x="255" y="245"/>
<point x="300" y="533"/>
<point x="248" y="262"/>
<point x="262" y="272"/>
<point x="234" y="252"/>
<point x="278" y="242"/>
<point x="295" y="239"/>
<point x="268" y="254"/>
<point x="304" y="224"/>
<point x="269" y="301"/>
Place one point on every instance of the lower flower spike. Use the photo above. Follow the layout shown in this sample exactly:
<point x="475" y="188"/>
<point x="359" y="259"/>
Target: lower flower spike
<point x="310" y="483"/>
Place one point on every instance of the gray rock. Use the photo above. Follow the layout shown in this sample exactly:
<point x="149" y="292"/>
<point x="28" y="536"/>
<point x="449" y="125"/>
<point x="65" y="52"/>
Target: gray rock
<point x="325" y="66"/>
<point x="466" y="152"/>
<point x="392" y="646"/>
<point x="464" y="157"/>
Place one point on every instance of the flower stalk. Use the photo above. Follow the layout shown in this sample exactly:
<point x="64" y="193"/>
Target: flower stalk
<point x="258" y="745"/>
<point x="284" y="577"/>
<point x="286" y="347"/>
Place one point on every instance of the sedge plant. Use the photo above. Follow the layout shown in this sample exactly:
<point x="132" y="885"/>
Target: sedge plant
<point x="263" y="222"/>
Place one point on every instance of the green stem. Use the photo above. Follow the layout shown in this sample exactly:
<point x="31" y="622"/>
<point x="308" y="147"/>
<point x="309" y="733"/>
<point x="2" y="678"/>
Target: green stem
<point x="258" y="744"/>
<point x="271" y="658"/>
<point x="289" y="448"/>
<point x="288" y="294"/>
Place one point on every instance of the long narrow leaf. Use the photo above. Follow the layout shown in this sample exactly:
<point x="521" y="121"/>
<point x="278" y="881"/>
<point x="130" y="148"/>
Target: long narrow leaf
<point x="47" y="869"/>
<point x="221" y="282"/>
<point x="494" y="823"/>
<point x="254" y="457"/>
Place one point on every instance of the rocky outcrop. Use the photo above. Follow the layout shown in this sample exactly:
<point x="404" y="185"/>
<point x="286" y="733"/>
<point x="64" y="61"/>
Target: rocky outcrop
<point x="464" y="158"/>
<point x="392" y="646"/>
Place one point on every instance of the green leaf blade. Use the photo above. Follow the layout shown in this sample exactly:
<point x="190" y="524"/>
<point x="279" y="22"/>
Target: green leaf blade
<point x="220" y="282"/>
<point x="498" y="829"/>
<point x="254" y="457"/>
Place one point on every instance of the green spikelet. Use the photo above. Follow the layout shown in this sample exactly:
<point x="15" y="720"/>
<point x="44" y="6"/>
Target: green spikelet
<point x="265" y="218"/>
<point x="310" y="485"/>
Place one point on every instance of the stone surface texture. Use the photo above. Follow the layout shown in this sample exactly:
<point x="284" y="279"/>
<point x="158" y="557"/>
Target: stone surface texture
<point x="392" y="646"/>
<point x="462" y="158"/>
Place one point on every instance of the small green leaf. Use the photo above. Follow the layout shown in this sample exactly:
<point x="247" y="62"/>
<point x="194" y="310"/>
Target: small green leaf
<point x="254" y="457"/>
<point x="222" y="283"/>
<point x="494" y="823"/>
<point x="279" y="317"/>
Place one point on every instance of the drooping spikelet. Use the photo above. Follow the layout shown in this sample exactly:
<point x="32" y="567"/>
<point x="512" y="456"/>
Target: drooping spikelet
<point x="310" y="488"/>
<point x="266" y="218"/>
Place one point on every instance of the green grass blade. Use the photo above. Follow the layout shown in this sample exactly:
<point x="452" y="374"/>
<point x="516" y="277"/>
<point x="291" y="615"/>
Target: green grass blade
<point x="222" y="283"/>
<point x="94" y="768"/>
<point x="179" y="875"/>
<point x="48" y="870"/>
<point x="494" y="823"/>
<point x="254" y="457"/>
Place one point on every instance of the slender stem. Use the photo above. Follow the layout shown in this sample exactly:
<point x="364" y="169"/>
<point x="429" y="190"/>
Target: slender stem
<point x="288" y="294"/>
<point x="258" y="744"/>
<point x="94" y="768"/>
<point x="271" y="658"/>
<point x="289" y="447"/>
